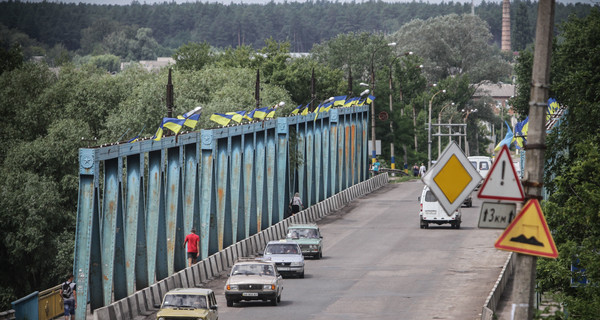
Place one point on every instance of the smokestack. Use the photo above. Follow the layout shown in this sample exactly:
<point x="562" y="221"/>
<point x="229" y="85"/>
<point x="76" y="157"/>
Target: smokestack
<point x="505" y="45"/>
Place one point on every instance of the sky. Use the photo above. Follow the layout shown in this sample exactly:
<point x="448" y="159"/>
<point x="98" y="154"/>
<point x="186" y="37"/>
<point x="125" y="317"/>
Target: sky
<point x="127" y="2"/>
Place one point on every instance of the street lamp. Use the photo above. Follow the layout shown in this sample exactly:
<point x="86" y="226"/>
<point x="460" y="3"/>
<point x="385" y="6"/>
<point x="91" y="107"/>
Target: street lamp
<point x="467" y="113"/>
<point x="391" y="44"/>
<point x="393" y="158"/>
<point x="440" y="127"/>
<point x="429" y="129"/>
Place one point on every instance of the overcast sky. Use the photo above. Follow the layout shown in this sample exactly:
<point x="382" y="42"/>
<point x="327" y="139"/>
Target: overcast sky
<point x="126" y="2"/>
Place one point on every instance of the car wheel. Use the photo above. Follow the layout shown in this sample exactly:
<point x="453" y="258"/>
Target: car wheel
<point x="274" y="302"/>
<point x="301" y="276"/>
<point x="279" y="298"/>
<point x="230" y="303"/>
<point x="320" y="255"/>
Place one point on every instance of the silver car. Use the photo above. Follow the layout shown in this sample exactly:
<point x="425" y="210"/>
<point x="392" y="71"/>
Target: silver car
<point x="287" y="256"/>
<point x="251" y="279"/>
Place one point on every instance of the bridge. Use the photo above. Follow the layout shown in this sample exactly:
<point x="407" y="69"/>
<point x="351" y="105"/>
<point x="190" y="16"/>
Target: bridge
<point x="137" y="201"/>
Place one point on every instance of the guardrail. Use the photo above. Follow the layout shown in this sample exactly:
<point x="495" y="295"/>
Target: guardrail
<point x="141" y="304"/>
<point x="491" y="303"/>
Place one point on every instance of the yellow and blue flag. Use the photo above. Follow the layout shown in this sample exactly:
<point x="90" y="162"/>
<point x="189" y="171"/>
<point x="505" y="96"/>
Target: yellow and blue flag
<point x="172" y="124"/>
<point x="350" y="102"/>
<point x="370" y="99"/>
<point x="271" y="113"/>
<point x="260" y="113"/>
<point x="190" y="121"/>
<point x="327" y="106"/>
<point x="297" y="110"/>
<point x="221" y="118"/>
<point x="237" y="116"/>
<point x="552" y="108"/>
<point x="520" y="136"/>
<point x="339" y="101"/>
<point x="507" y="138"/>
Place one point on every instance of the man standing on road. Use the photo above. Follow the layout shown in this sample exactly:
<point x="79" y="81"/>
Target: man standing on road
<point x="376" y="166"/>
<point x="193" y="242"/>
<point x="422" y="170"/>
<point x="67" y="291"/>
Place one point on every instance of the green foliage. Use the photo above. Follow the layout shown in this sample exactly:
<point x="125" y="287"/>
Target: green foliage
<point x="193" y="56"/>
<point x="108" y="62"/>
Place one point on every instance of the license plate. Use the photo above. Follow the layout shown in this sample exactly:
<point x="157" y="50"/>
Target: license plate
<point x="283" y="269"/>
<point x="430" y="212"/>
<point x="250" y="294"/>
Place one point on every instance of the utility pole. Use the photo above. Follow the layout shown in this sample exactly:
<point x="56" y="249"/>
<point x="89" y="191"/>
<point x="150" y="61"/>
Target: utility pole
<point x="523" y="290"/>
<point x="257" y="89"/>
<point x="169" y="96"/>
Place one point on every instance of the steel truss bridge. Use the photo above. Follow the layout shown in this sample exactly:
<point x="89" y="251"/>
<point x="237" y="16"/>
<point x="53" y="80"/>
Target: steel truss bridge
<point x="137" y="201"/>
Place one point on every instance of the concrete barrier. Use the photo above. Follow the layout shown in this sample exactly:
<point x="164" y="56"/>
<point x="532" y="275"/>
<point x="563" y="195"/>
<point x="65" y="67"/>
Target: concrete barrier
<point x="491" y="303"/>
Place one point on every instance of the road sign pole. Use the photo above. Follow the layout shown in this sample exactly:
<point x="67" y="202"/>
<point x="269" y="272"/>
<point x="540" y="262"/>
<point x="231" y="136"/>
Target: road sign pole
<point x="523" y="291"/>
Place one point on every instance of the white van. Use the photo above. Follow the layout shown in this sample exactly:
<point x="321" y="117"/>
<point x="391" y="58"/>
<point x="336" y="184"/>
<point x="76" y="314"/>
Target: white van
<point x="432" y="212"/>
<point x="482" y="164"/>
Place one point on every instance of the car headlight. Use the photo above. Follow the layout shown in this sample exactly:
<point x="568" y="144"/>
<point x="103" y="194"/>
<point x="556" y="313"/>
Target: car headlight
<point x="269" y="287"/>
<point x="312" y="246"/>
<point x="161" y="318"/>
<point x="232" y="287"/>
<point x="297" y="264"/>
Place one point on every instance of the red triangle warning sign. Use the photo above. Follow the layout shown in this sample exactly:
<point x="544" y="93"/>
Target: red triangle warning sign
<point x="528" y="233"/>
<point x="502" y="182"/>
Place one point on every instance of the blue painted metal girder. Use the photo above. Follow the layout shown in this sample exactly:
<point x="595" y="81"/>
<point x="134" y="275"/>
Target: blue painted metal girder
<point x="191" y="204"/>
<point x="326" y="166"/>
<point x="221" y="184"/>
<point x="250" y="222"/>
<point x="318" y="160"/>
<point x="282" y="168"/>
<point x="333" y="151"/>
<point x="155" y="219"/>
<point x="207" y="206"/>
<point x="347" y="152"/>
<point x="237" y="209"/>
<point x="133" y="209"/>
<point x="271" y="176"/>
<point x="341" y="173"/>
<point x="301" y="134"/>
<point x="109" y="226"/>
<point x="174" y="211"/>
<point x="259" y="170"/>
<point x="310" y="165"/>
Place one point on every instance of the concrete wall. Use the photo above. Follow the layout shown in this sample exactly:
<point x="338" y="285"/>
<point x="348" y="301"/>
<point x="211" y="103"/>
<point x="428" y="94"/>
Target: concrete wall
<point x="491" y="303"/>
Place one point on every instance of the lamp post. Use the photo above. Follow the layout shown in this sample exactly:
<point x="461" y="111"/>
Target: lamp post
<point x="393" y="159"/>
<point x="429" y="129"/>
<point x="440" y="127"/>
<point x="467" y="113"/>
<point x="373" y="153"/>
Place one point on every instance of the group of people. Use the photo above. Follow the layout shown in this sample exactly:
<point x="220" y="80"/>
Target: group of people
<point x="419" y="171"/>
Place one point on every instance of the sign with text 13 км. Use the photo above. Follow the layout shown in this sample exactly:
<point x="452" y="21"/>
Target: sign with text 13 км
<point x="502" y="182"/>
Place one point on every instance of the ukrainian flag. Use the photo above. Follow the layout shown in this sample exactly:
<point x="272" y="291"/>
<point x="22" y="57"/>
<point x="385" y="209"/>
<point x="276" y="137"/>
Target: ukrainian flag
<point x="237" y="116"/>
<point x="305" y="110"/>
<point x="552" y="108"/>
<point x="271" y="113"/>
<point x="339" y="101"/>
<point x="361" y="103"/>
<point x="520" y="137"/>
<point x="297" y="110"/>
<point x="170" y="123"/>
<point x="370" y="99"/>
<point x="221" y="118"/>
<point x="327" y="106"/>
<point x="260" y="113"/>
<point x="190" y="121"/>
<point x="350" y="102"/>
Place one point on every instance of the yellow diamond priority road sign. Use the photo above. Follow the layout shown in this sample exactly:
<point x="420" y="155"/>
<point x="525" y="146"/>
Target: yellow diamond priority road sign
<point x="452" y="178"/>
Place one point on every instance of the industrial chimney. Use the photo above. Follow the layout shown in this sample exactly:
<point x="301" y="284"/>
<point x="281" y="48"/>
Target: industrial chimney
<point x="505" y="46"/>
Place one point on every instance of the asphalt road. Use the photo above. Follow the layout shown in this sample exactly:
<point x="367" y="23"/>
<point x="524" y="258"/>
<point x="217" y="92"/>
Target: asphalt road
<point x="378" y="264"/>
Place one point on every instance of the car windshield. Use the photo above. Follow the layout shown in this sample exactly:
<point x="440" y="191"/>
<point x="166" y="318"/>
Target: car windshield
<point x="185" y="301"/>
<point x="281" y="248"/>
<point x="299" y="233"/>
<point x="252" y="270"/>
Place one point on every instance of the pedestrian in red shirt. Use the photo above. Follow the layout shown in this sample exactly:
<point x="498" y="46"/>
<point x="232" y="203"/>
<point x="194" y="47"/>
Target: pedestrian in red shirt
<point x="193" y="242"/>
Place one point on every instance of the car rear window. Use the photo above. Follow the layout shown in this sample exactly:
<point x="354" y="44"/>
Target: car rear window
<point x="281" y="248"/>
<point x="309" y="233"/>
<point x="430" y="197"/>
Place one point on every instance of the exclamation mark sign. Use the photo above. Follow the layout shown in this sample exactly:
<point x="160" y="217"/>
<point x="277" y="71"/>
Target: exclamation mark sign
<point x="503" y="167"/>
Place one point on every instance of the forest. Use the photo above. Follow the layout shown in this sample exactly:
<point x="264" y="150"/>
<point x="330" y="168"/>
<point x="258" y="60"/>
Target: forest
<point x="71" y="99"/>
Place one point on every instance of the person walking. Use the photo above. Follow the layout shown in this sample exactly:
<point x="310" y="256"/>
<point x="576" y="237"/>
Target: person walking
<point x="69" y="296"/>
<point x="415" y="170"/>
<point x="376" y="166"/>
<point x="422" y="170"/>
<point x="296" y="204"/>
<point x="193" y="245"/>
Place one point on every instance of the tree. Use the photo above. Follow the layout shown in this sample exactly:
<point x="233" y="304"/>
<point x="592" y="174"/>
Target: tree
<point x="452" y="45"/>
<point x="193" y="56"/>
